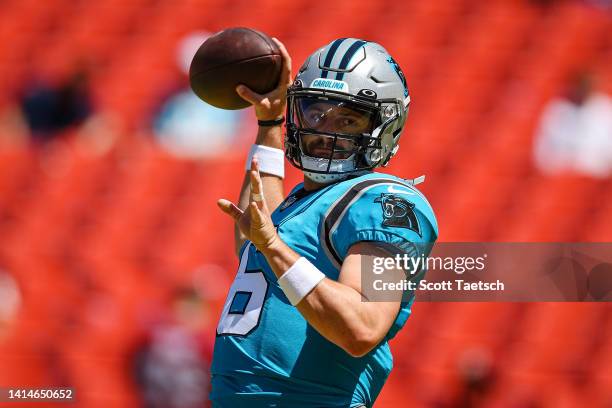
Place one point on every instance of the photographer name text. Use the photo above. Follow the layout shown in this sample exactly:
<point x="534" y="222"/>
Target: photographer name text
<point x="447" y="285"/>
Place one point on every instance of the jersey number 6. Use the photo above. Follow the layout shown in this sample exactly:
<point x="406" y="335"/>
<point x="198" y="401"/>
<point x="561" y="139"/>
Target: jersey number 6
<point x="244" y="301"/>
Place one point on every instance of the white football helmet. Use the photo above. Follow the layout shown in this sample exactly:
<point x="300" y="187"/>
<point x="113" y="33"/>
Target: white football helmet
<point x="345" y="110"/>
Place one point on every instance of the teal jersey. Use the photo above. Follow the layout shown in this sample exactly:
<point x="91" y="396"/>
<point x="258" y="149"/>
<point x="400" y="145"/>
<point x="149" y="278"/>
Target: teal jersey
<point x="266" y="354"/>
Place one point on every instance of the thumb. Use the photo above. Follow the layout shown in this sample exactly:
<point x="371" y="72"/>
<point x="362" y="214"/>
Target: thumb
<point x="248" y="95"/>
<point x="230" y="209"/>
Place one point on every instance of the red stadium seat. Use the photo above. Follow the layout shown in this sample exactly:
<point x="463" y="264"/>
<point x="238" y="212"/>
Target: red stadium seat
<point x="90" y="240"/>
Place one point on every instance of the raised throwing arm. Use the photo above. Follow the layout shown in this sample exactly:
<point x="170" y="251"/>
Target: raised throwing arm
<point x="269" y="106"/>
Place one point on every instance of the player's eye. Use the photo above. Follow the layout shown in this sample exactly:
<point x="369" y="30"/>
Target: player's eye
<point x="348" y="121"/>
<point x="314" y="117"/>
<point x="350" y="124"/>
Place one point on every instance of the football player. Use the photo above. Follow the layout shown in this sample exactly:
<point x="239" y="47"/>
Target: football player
<point x="296" y="329"/>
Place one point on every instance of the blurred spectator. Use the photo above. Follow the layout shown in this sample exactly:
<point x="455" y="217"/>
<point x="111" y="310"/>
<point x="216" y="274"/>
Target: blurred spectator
<point x="187" y="126"/>
<point x="575" y="132"/>
<point x="172" y="366"/>
<point x="10" y="302"/>
<point x="477" y="376"/>
<point x="49" y="109"/>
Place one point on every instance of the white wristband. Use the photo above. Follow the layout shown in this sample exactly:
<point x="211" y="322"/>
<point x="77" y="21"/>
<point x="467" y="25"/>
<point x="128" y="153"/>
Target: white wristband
<point x="299" y="280"/>
<point x="271" y="160"/>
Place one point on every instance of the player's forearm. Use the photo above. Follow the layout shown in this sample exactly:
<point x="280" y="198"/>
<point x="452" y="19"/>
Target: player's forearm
<point x="333" y="309"/>
<point x="271" y="136"/>
<point x="243" y="202"/>
<point x="280" y="256"/>
<point x="273" y="185"/>
<point x="338" y="313"/>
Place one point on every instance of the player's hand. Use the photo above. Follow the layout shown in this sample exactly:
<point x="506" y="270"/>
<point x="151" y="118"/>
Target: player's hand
<point x="255" y="221"/>
<point x="271" y="105"/>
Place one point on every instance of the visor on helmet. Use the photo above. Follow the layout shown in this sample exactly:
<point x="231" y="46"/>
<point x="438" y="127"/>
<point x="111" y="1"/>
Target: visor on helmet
<point x="333" y="116"/>
<point x="332" y="133"/>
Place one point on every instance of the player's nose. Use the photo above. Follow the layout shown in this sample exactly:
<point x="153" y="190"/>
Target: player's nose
<point x="326" y="142"/>
<point x="326" y="126"/>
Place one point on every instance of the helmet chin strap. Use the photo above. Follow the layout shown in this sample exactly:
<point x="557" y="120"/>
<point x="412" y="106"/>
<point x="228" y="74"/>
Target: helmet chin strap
<point x="332" y="178"/>
<point x="325" y="178"/>
<point x="340" y="170"/>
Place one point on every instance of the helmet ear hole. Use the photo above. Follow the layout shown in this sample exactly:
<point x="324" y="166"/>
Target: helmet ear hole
<point x="389" y="111"/>
<point x="373" y="156"/>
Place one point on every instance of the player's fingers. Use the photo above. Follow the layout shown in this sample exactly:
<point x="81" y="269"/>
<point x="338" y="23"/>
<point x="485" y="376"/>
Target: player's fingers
<point x="257" y="193"/>
<point x="248" y="95"/>
<point x="258" y="218"/>
<point x="284" y="54"/>
<point x="285" y="78"/>
<point x="254" y="177"/>
<point x="230" y="209"/>
<point x="256" y="183"/>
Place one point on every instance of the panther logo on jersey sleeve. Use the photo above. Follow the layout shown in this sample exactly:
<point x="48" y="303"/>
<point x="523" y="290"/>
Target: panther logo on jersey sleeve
<point x="398" y="212"/>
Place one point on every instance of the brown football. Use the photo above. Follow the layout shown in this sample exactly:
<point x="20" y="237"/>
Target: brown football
<point x="231" y="57"/>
